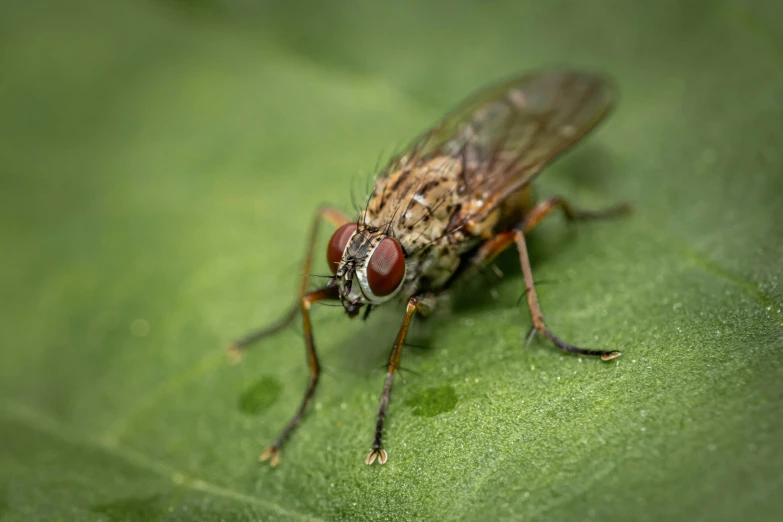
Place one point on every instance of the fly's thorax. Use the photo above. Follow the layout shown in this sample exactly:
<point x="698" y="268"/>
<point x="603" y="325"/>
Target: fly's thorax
<point x="420" y="206"/>
<point x="418" y="203"/>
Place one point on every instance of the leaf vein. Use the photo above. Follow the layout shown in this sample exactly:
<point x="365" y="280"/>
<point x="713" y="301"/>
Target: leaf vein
<point x="33" y="419"/>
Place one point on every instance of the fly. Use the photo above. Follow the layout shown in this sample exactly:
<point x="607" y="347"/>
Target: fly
<point x="446" y="207"/>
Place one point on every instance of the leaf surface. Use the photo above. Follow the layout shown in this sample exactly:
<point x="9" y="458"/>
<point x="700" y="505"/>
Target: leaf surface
<point x="160" y="164"/>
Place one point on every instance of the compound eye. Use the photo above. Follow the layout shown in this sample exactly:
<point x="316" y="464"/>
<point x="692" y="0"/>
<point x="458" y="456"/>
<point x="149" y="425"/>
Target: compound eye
<point x="334" y="252"/>
<point x="386" y="268"/>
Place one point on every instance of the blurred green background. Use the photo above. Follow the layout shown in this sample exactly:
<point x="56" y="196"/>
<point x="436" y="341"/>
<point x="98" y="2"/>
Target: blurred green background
<point x="160" y="164"/>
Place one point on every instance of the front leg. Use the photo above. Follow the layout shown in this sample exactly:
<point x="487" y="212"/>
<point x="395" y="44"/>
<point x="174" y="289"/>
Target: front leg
<point x="420" y="303"/>
<point x="272" y="453"/>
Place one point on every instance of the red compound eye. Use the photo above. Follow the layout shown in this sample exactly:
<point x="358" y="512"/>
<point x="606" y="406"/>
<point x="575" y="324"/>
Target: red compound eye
<point x="386" y="267"/>
<point x="334" y="252"/>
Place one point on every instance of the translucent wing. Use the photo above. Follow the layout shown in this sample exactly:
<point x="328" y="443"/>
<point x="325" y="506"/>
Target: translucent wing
<point x="507" y="133"/>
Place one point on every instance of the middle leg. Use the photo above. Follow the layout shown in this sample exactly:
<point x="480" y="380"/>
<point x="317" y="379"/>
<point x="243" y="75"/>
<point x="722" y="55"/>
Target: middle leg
<point x="239" y="346"/>
<point x="490" y="249"/>
<point x="535" y="308"/>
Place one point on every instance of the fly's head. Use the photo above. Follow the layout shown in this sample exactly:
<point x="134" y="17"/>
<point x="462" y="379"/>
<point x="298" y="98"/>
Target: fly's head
<point x="368" y="266"/>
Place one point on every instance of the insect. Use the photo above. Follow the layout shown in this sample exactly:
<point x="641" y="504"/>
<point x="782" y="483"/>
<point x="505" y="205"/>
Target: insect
<point x="446" y="207"/>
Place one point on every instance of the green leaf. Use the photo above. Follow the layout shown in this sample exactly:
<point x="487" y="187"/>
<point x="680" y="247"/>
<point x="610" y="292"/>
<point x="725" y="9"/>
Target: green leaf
<point x="161" y="163"/>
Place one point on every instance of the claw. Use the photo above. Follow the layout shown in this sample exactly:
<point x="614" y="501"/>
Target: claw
<point x="376" y="453"/>
<point x="272" y="454"/>
<point x="530" y="336"/>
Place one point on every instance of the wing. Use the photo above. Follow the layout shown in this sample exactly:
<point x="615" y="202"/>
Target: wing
<point x="507" y="133"/>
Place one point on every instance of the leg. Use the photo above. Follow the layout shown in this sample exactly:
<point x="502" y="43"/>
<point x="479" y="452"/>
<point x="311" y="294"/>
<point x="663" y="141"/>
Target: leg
<point x="535" y="308"/>
<point x="272" y="453"/>
<point x="333" y="216"/>
<point x="532" y="218"/>
<point x="489" y="250"/>
<point x="414" y="303"/>
<point x="540" y="210"/>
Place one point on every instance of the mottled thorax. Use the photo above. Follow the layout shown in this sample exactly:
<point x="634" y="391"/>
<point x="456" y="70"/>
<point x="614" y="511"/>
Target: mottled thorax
<point x="419" y="207"/>
<point x="417" y="203"/>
